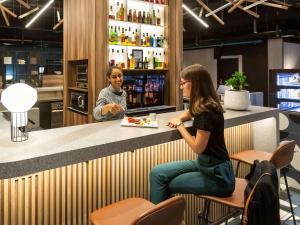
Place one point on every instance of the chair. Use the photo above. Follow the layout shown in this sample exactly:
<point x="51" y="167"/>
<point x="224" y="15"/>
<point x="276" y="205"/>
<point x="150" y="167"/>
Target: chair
<point x="138" y="211"/>
<point x="236" y="201"/>
<point x="281" y="157"/>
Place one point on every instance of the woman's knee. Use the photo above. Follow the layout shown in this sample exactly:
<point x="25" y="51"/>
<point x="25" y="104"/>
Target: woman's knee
<point x="157" y="174"/>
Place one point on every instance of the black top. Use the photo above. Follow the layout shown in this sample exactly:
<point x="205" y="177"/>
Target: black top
<point x="214" y="123"/>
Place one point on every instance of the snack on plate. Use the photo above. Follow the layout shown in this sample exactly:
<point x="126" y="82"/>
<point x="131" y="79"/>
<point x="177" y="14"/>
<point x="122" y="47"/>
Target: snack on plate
<point x="133" y="120"/>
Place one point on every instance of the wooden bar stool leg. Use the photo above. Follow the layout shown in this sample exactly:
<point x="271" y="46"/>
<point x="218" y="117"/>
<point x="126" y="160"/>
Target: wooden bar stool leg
<point x="207" y="212"/>
<point x="202" y="220"/>
<point x="237" y="168"/>
<point x="289" y="196"/>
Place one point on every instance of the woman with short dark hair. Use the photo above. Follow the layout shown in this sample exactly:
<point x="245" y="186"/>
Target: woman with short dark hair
<point x="111" y="103"/>
<point x="211" y="173"/>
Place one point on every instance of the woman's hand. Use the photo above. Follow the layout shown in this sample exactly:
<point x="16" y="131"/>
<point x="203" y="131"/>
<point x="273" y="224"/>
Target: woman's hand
<point x="172" y="123"/>
<point x="115" y="108"/>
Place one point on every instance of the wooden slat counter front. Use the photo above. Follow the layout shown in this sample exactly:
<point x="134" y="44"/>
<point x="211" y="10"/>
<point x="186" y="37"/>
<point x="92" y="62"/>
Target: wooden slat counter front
<point x="68" y="172"/>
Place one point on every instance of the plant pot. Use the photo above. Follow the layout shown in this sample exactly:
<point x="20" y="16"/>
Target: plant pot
<point x="237" y="100"/>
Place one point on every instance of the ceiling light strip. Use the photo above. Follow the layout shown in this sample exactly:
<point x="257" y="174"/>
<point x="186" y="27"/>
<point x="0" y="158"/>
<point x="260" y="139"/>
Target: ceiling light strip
<point x="195" y="16"/>
<point x="279" y="6"/>
<point x="58" y="15"/>
<point x="25" y="4"/>
<point x="209" y="10"/>
<point x="194" y="9"/>
<point x="28" y="13"/>
<point x="5" y="17"/>
<point x="8" y="11"/>
<point x="220" y="8"/>
<point x="254" y="4"/>
<point x="39" y="13"/>
<point x="235" y="6"/>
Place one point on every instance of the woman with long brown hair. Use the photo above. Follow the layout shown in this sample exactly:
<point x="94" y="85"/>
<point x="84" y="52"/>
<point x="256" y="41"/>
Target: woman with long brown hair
<point x="211" y="173"/>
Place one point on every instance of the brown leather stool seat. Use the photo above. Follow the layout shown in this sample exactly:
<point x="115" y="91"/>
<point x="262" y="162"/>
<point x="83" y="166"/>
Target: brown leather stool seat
<point x="139" y="211"/>
<point x="236" y="200"/>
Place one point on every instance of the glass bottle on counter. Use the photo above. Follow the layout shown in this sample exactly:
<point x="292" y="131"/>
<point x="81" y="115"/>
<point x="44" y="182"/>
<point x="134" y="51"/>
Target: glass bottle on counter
<point x="153" y="18"/>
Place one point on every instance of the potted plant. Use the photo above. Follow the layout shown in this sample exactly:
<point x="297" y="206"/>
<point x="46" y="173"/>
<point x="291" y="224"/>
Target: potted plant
<point x="237" y="97"/>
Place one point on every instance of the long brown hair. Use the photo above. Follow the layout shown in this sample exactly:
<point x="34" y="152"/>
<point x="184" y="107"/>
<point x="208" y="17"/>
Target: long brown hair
<point x="203" y="96"/>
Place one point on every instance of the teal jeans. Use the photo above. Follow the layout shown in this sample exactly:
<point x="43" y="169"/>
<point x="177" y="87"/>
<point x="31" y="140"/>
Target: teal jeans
<point x="206" y="175"/>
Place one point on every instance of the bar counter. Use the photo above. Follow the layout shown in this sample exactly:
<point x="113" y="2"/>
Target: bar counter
<point x="54" y="148"/>
<point x="59" y="176"/>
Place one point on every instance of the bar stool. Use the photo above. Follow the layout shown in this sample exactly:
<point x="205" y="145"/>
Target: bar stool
<point x="139" y="211"/>
<point x="236" y="201"/>
<point x="281" y="157"/>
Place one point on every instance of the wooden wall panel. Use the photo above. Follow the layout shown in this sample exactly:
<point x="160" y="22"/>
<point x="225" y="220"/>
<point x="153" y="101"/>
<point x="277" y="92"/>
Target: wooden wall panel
<point x="67" y="195"/>
<point x="175" y="52"/>
<point x="74" y="118"/>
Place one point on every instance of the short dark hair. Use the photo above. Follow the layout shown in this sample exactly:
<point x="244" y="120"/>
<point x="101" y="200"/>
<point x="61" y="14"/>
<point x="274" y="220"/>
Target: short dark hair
<point x="110" y="70"/>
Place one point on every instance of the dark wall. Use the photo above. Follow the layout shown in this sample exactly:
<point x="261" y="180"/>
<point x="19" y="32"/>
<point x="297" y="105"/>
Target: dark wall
<point x="255" y="64"/>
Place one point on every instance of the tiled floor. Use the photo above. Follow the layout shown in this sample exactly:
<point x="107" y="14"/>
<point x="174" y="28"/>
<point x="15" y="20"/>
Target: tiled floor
<point x="284" y="205"/>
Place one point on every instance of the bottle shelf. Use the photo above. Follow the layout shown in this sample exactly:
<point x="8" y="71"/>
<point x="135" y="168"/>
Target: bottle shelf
<point x="77" y="89"/>
<point x="78" y="111"/>
<point x="124" y="22"/>
<point x="144" y="70"/>
<point x="151" y="3"/>
<point x="135" y="46"/>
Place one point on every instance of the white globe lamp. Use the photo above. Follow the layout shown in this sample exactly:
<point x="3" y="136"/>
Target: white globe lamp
<point x="18" y="99"/>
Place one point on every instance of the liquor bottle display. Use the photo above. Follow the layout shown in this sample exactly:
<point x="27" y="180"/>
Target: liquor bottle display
<point x="137" y="34"/>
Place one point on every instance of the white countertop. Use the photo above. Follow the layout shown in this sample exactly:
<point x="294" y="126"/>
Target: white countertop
<point x="54" y="148"/>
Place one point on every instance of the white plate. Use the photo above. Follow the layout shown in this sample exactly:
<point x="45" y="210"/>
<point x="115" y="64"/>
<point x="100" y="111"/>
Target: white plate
<point x="151" y="124"/>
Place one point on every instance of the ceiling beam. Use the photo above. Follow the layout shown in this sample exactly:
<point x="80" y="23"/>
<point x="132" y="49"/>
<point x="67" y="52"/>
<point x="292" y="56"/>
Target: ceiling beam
<point x="210" y="11"/>
<point x="5" y="17"/>
<point x="279" y="6"/>
<point x="235" y="6"/>
<point x="7" y="10"/>
<point x="247" y="10"/>
<point x="25" y="4"/>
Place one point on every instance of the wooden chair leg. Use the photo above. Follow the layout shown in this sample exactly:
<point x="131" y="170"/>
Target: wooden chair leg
<point x="237" y="168"/>
<point x="288" y="194"/>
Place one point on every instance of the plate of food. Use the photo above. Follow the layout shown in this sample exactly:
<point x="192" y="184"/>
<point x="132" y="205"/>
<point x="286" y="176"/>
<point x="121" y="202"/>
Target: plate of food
<point x="138" y="122"/>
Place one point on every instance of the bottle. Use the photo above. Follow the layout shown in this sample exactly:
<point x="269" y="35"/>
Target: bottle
<point x="150" y="63"/>
<point x="137" y="38"/>
<point x="119" y="36"/>
<point x="123" y="59"/>
<point x="153" y="18"/>
<point x="112" y="60"/>
<point x="129" y="17"/>
<point x="115" y="36"/>
<point x="140" y="17"/>
<point x="111" y="31"/>
<point x="147" y="40"/>
<point x="118" y="11"/>
<point x="158" y="20"/>
<point x="133" y="42"/>
<point x="134" y="17"/>
<point x="160" y="61"/>
<point x="122" y="12"/>
<point x="111" y="13"/>
<point x="146" y="63"/>
<point x="131" y="62"/>
<point x="154" y="41"/>
<point x="148" y="18"/>
<point x="123" y="37"/>
<point x="144" y="17"/>
<point x="151" y="41"/>
<point x="157" y="1"/>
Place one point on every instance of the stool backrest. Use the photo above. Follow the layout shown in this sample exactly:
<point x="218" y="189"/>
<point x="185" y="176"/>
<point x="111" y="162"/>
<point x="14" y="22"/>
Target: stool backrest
<point x="283" y="154"/>
<point x="169" y="212"/>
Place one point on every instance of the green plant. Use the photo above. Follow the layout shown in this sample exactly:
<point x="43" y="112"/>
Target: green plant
<point x="237" y="81"/>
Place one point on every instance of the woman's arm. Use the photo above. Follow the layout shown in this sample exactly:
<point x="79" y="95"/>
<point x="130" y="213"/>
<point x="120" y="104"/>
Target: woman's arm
<point x="198" y="143"/>
<point x="185" y="116"/>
